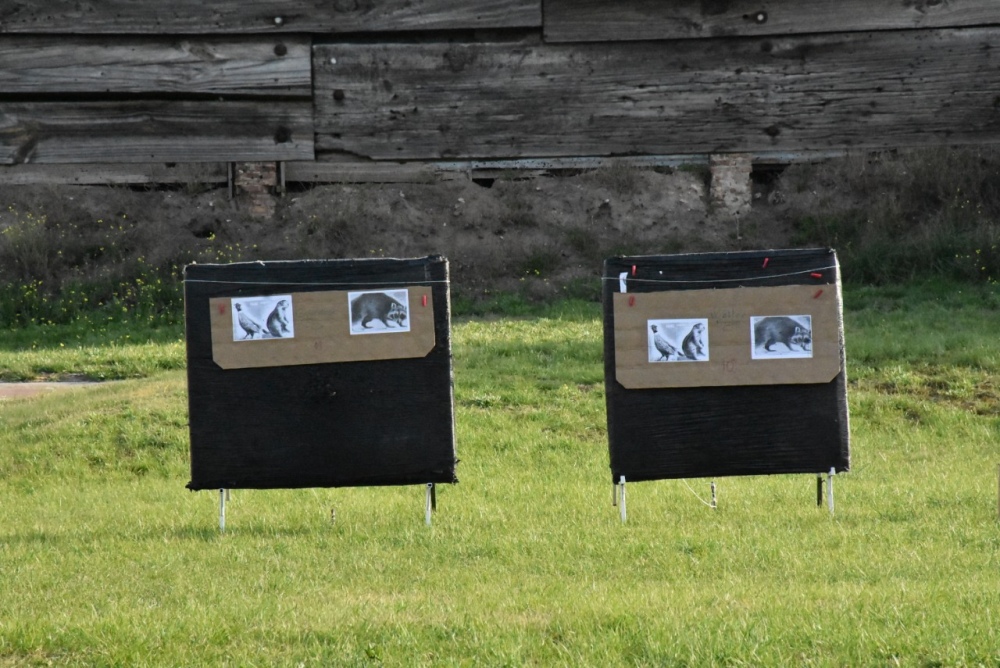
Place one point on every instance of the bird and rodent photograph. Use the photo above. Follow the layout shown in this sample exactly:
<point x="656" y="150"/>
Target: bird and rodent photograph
<point x="678" y="340"/>
<point x="258" y="318"/>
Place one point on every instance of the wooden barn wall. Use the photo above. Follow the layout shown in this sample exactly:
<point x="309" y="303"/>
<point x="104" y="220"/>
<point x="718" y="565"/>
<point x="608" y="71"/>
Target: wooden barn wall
<point x="128" y="100"/>
<point x="385" y="82"/>
<point x="417" y="101"/>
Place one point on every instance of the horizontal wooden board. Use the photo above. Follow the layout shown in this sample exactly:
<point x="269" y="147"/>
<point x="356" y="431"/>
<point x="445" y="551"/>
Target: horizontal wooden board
<point x="596" y="20"/>
<point x="218" y="66"/>
<point x="155" y="131"/>
<point x="97" y="174"/>
<point x="474" y="100"/>
<point x="261" y="16"/>
<point x="364" y="172"/>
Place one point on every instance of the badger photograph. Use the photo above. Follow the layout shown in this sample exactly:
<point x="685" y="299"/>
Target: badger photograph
<point x="781" y="336"/>
<point x="684" y="340"/>
<point x="257" y="318"/>
<point x="379" y="312"/>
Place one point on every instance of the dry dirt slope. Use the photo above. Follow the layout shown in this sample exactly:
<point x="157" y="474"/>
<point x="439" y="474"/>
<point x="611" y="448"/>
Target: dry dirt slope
<point x="541" y="235"/>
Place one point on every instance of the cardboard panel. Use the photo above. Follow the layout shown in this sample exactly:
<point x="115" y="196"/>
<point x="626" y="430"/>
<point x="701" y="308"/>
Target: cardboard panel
<point x="319" y="327"/>
<point x="725" y="350"/>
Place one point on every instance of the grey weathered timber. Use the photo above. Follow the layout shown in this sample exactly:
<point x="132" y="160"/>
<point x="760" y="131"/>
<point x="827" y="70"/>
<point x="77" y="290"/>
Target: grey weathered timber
<point x="102" y="174"/>
<point x="155" y="131"/>
<point x="277" y="65"/>
<point x="489" y="100"/>
<point x="598" y="20"/>
<point x="262" y="16"/>
<point x="365" y="172"/>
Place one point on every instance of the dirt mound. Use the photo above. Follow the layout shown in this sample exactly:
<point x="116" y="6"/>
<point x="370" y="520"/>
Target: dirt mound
<point x="540" y="234"/>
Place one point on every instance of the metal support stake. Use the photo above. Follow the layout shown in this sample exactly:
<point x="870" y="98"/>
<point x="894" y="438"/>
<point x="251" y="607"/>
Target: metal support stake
<point x="222" y="510"/>
<point x="714" y="505"/>
<point x="829" y="488"/>
<point x="819" y="489"/>
<point x="429" y="504"/>
<point x="621" y="487"/>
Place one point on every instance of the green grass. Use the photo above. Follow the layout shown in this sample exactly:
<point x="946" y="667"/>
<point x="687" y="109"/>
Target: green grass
<point x="107" y="560"/>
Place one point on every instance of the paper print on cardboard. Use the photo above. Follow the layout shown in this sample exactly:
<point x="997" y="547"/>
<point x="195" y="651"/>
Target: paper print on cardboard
<point x="258" y="318"/>
<point x="679" y="340"/>
<point x="379" y="311"/>
<point x="781" y="336"/>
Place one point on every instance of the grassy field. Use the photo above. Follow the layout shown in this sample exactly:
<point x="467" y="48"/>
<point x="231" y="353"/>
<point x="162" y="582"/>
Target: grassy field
<point x="106" y="559"/>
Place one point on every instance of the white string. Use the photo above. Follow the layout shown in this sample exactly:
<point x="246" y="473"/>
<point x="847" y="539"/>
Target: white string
<point x="695" y="493"/>
<point x="632" y="279"/>
<point x="321" y="283"/>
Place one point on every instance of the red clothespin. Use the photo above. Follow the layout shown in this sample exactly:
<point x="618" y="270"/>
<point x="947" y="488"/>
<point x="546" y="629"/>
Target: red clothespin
<point x="766" y="260"/>
<point x="633" y="270"/>
<point x="816" y="274"/>
<point x="631" y="300"/>
<point x="818" y="293"/>
<point x="222" y="309"/>
<point x="423" y="300"/>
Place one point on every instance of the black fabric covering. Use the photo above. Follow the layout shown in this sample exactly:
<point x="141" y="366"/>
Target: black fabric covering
<point x="387" y="422"/>
<point x="697" y="432"/>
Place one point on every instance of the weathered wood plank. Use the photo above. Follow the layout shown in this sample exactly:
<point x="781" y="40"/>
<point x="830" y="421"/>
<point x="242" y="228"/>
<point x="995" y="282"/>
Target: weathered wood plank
<point x="262" y="16"/>
<point x="596" y="20"/>
<point x="854" y="90"/>
<point x="155" y="131"/>
<point x="278" y="65"/>
<point x="97" y="174"/>
<point x="365" y="172"/>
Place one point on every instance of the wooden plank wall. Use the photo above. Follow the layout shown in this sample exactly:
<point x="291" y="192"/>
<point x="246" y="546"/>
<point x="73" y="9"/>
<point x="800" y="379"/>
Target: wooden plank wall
<point x="412" y="101"/>
<point x="384" y="82"/>
<point x="127" y="100"/>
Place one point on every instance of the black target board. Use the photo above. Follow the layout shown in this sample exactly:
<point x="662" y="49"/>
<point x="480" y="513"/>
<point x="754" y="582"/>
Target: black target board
<point x="320" y="373"/>
<point x="725" y="364"/>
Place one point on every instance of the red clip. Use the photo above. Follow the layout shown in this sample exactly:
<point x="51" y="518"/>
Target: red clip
<point x="766" y="260"/>
<point x="423" y="300"/>
<point x="816" y="274"/>
<point x="631" y="300"/>
<point x="633" y="270"/>
<point x="818" y="293"/>
<point x="222" y="309"/>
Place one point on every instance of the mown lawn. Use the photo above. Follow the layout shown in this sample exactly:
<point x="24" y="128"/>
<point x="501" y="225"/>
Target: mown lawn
<point x="107" y="560"/>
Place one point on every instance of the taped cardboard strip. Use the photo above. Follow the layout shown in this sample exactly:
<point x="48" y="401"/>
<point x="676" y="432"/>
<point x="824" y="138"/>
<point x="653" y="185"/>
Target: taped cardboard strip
<point x="322" y="327"/>
<point x="744" y="336"/>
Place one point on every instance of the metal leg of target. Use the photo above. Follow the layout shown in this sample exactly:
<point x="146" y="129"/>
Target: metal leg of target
<point x="715" y="501"/>
<point x="829" y="488"/>
<point x="430" y="503"/>
<point x="819" y="490"/>
<point x="222" y="510"/>
<point x="621" y="498"/>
